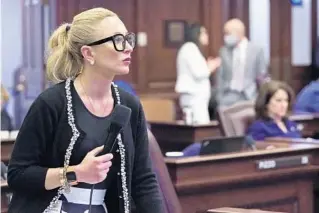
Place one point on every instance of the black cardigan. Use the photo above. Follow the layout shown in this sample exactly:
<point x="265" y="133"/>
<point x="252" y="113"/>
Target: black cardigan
<point x="42" y="142"/>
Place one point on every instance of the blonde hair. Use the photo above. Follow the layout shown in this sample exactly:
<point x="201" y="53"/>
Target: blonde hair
<point x="4" y="95"/>
<point x="64" y="49"/>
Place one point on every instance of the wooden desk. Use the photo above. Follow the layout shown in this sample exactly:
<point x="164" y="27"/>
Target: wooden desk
<point x="237" y="210"/>
<point x="175" y="136"/>
<point x="309" y="122"/>
<point x="6" y="149"/>
<point x="292" y="140"/>
<point x="5" y="196"/>
<point x="243" y="180"/>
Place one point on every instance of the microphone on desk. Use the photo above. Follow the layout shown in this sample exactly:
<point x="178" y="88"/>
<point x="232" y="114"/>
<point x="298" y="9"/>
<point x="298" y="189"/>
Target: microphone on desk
<point x="250" y="143"/>
<point x="119" y="119"/>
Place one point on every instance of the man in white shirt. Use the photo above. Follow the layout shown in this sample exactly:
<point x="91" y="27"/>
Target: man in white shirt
<point x="242" y="66"/>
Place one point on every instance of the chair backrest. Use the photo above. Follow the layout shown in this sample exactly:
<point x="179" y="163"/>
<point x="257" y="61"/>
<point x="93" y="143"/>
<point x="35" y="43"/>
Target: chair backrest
<point x="235" y="119"/>
<point x="170" y="199"/>
<point x="151" y="106"/>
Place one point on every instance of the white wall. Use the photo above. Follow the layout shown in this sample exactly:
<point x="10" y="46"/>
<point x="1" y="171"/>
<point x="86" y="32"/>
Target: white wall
<point x="11" y="42"/>
<point x="301" y="36"/>
<point x="259" y="20"/>
<point x="259" y="24"/>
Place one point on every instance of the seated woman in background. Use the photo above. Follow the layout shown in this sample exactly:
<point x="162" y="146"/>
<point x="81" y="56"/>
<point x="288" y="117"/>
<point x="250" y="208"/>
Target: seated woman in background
<point x="308" y="99"/>
<point x="193" y="72"/>
<point x="272" y="105"/>
<point x="6" y="124"/>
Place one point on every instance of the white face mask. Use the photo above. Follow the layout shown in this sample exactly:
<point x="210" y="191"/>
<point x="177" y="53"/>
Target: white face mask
<point x="230" y="40"/>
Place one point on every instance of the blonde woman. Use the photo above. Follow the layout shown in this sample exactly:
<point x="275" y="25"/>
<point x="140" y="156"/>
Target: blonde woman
<point x="66" y="127"/>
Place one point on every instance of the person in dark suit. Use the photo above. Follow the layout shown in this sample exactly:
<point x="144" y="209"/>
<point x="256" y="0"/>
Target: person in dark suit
<point x="56" y="163"/>
<point x="6" y="121"/>
<point x="308" y="99"/>
<point x="272" y="106"/>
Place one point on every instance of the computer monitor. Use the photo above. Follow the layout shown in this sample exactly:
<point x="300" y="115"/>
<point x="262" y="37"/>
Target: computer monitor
<point x="226" y="144"/>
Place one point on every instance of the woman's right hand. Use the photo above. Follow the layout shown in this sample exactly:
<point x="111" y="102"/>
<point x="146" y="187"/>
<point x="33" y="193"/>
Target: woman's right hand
<point x="93" y="169"/>
<point x="213" y="63"/>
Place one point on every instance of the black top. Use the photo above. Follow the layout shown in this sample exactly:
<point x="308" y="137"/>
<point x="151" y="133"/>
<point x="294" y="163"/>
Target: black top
<point x="42" y="142"/>
<point x="96" y="130"/>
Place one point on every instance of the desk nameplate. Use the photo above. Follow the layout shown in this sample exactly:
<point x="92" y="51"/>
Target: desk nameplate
<point x="284" y="162"/>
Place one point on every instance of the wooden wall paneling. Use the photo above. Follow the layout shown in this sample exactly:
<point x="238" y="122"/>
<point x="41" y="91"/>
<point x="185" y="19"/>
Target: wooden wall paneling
<point x="214" y="17"/>
<point x="285" y="40"/>
<point x="140" y="52"/>
<point x="275" y="39"/>
<point x="161" y="60"/>
<point x="215" y="23"/>
<point x="72" y="9"/>
<point x="205" y="14"/>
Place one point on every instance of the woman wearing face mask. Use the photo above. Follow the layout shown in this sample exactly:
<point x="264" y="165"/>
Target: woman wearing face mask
<point x="193" y="72"/>
<point x="272" y="105"/>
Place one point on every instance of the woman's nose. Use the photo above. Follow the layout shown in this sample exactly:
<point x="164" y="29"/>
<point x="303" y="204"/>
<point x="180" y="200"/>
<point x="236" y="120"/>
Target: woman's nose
<point x="128" y="47"/>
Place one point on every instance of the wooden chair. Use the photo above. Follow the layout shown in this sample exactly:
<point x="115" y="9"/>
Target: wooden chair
<point x="235" y="119"/>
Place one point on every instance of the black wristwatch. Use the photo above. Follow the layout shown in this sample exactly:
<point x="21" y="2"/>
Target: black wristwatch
<point x="71" y="177"/>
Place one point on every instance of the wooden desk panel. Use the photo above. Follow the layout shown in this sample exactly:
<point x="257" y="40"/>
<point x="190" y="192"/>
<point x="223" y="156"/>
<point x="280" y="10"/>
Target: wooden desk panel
<point x="6" y="150"/>
<point x="309" y="122"/>
<point x="237" y="210"/>
<point x="175" y="136"/>
<point x="5" y="196"/>
<point x="206" y="182"/>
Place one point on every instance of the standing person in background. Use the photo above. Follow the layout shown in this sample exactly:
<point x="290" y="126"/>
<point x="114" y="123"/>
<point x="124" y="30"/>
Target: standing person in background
<point x="56" y="163"/>
<point x="193" y="72"/>
<point x="243" y="65"/>
<point x="6" y="121"/>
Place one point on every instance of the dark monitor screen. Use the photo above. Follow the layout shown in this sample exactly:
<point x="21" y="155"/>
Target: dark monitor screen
<point x="225" y="145"/>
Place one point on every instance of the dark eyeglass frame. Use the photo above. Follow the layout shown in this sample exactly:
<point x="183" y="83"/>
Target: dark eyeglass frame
<point x="112" y="38"/>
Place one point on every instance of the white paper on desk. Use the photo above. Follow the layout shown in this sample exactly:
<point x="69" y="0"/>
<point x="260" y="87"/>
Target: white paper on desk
<point x="4" y="135"/>
<point x="13" y="134"/>
<point x="301" y="39"/>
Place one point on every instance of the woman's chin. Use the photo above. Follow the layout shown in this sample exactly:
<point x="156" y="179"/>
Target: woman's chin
<point x="123" y="71"/>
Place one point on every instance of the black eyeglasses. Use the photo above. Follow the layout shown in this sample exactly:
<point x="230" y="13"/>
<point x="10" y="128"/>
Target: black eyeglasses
<point x="119" y="41"/>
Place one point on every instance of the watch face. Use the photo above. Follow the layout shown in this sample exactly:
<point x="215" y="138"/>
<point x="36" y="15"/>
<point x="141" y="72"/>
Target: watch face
<point x="70" y="176"/>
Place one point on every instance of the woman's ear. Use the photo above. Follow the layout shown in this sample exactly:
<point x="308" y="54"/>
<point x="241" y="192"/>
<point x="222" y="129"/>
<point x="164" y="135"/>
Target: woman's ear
<point x="88" y="54"/>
